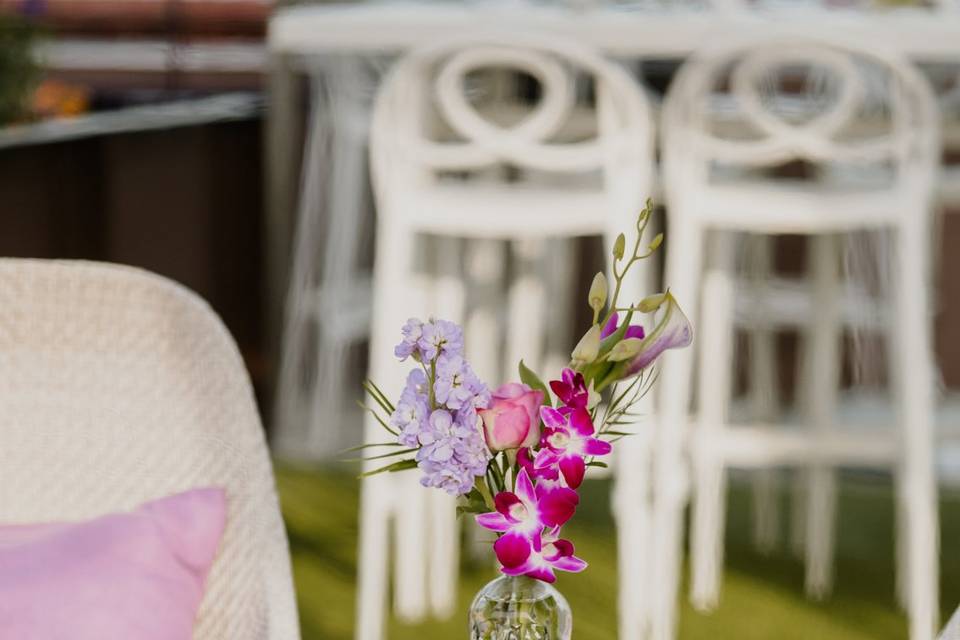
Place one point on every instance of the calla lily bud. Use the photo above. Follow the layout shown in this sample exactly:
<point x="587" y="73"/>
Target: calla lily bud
<point x="651" y="303"/>
<point x="672" y="332"/>
<point x="588" y="348"/>
<point x="598" y="292"/>
<point x="656" y="242"/>
<point x="618" y="246"/>
<point x="625" y="349"/>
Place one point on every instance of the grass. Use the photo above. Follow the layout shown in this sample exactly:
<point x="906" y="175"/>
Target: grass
<point x="762" y="596"/>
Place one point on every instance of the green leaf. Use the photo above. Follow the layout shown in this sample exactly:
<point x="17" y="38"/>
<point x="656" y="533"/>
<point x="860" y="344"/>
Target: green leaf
<point x="379" y="419"/>
<point x="473" y="502"/>
<point x="379" y="396"/>
<point x="400" y="465"/>
<point x="532" y="380"/>
<point x="602" y="465"/>
<point x="370" y="446"/>
<point x="381" y="456"/>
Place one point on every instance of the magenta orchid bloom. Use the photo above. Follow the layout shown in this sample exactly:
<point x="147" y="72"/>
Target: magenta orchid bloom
<point x="548" y="478"/>
<point x="539" y="558"/>
<point x="525" y="513"/>
<point x="571" y="390"/>
<point x="633" y="331"/>
<point x="566" y="440"/>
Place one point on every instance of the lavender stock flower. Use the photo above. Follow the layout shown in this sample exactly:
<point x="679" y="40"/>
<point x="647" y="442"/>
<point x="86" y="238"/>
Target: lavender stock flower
<point x="457" y="385"/>
<point x="451" y="451"/>
<point x="412" y="331"/>
<point x="440" y="336"/>
<point x="412" y="409"/>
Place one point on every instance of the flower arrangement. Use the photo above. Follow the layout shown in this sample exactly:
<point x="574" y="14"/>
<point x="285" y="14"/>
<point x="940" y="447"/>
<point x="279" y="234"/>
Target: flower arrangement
<point x="516" y="456"/>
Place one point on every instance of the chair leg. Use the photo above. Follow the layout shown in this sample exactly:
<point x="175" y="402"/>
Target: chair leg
<point x="527" y="298"/>
<point x="410" y="577"/>
<point x="632" y="496"/>
<point x="441" y="527"/>
<point x="915" y="362"/>
<point x="902" y="533"/>
<point x="766" y="510"/>
<point x="399" y="292"/>
<point x="714" y="385"/>
<point x="559" y="270"/>
<point x="822" y="373"/>
<point x="683" y="273"/>
<point x="631" y="508"/>
<point x="709" y="517"/>
<point x="484" y="264"/>
<point x="443" y="554"/>
<point x="798" y="512"/>
<point x="764" y="400"/>
<point x="372" y="559"/>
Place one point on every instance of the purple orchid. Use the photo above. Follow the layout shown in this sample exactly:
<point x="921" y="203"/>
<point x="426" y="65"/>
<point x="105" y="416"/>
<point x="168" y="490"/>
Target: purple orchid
<point x="548" y="478"/>
<point x="566" y="440"/>
<point x="525" y="513"/>
<point x="571" y="390"/>
<point x="633" y="331"/>
<point x="538" y="558"/>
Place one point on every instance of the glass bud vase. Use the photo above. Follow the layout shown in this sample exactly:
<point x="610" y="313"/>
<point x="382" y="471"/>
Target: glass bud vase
<point x="520" y="608"/>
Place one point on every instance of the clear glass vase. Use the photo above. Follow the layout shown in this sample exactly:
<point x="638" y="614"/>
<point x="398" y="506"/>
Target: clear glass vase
<point x="520" y="608"/>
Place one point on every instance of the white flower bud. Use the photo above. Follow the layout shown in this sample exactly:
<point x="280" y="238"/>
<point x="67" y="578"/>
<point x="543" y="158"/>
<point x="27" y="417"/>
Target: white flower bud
<point x="598" y="292"/>
<point x="588" y="348"/>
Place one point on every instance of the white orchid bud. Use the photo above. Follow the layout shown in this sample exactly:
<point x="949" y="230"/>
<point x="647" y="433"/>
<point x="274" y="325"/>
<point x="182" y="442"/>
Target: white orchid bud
<point x="598" y="292"/>
<point x="588" y="348"/>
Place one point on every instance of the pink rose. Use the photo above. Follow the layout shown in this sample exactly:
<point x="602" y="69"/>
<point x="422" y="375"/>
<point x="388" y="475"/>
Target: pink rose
<point x="512" y="421"/>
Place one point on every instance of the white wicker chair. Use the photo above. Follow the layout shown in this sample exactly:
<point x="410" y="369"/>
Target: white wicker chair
<point x="118" y="386"/>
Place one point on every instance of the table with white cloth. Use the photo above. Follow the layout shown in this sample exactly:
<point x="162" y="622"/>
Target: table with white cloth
<point x="319" y="221"/>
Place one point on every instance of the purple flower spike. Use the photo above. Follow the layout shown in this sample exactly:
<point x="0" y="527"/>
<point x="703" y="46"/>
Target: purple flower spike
<point x="673" y="332"/>
<point x="412" y="331"/>
<point x="540" y="558"/>
<point x="440" y="336"/>
<point x="633" y="331"/>
<point x="524" y="514"/>
<point x="567" y="439"/>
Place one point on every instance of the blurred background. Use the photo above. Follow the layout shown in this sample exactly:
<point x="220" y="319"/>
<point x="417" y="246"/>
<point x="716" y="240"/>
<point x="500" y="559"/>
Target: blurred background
<point x="223" y="143"/>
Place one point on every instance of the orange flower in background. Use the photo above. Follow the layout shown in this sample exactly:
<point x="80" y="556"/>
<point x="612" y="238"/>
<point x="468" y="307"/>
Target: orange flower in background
<point x="54" y="99"/>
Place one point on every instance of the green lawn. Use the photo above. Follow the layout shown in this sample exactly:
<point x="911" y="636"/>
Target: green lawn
<point x="762" y="596"/>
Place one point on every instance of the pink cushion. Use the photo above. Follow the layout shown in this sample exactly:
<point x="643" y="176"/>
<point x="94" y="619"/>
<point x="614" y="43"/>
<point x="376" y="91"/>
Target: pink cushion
<point x="130" y="576"/>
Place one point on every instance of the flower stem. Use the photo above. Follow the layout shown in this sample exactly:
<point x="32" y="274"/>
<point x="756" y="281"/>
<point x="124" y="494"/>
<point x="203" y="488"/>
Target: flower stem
<point x="485" y="492"/>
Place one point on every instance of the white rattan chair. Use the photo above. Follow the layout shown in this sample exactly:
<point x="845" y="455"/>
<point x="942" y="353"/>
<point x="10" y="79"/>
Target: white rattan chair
<point x="464" y="185"/>
<point x="118" y="386"/>
<point x="704" y="195"/>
